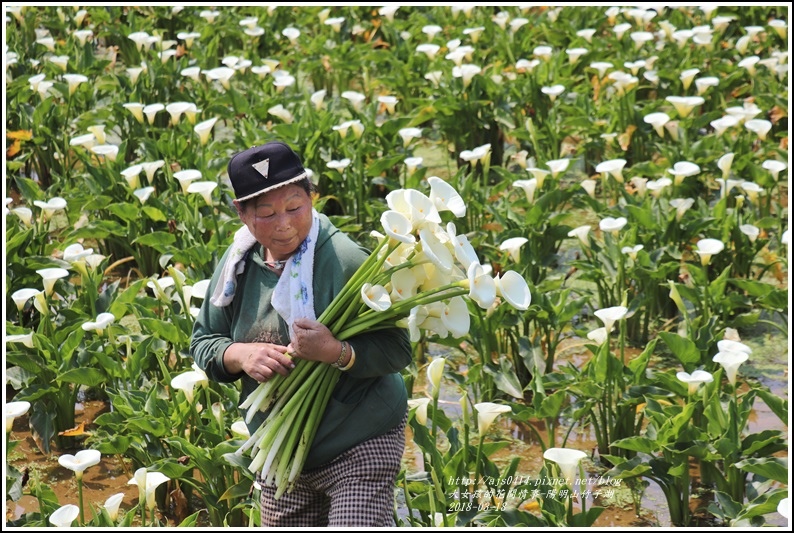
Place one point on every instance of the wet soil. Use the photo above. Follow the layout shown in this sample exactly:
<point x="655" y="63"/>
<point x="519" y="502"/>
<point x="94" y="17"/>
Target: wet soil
<point x="112" y="474"/>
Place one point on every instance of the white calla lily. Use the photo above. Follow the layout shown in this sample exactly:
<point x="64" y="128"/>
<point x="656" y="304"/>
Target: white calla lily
<point x="730" y="362"/>
<point x="21" y="297"/>
<point x="612" y="225"/>
<point x="482" y="287"/>
<point x="376" y="297"/>
<point x="694" y="379"/>
<point x="397" y="226"/>
<point x="512" y="286"/>
<point x="759" y="126"/>
<point x="65" y="515"/>
<point x="413" y="322"/>
<point x="188" y="381"/>
<point x="707" y="248"/>
<point x="727" y="345"/>
<point x="403" y="284"/>
<point x="513" y="247"/>
<point x="49" y="276"/>
<point x="456" y="317"/>
<point x="435" y="370"/>
<point x="240" y="428"/>
<point x="681" y="206"/>
<point x="445" y="197"/>
<point x="598" y="335"/>
<point x="464" y="251"/>
<point x="419" y="405"/>
<point x="658" y="121"/>
<point x="567" y="459"/>
<point x="683" y="169"/>
<point x="203" y="188"/>
<point x="80" y="461"/>
<point x="613" y="167"/>
<point x="147" y="483"/>
<point x="529" y="186"/>
<point x="581" y="233"/>
<point x="435" y="250"/>
<point x="14" y="410"/>
<point x="685" y="104"/>
<point x="558" y="166"/>
<point x="103" y="320"/>
<point x="487" y="413"/>
<point x="112" y="505"/>
<point x="610" y="315"/>
<point x="26" y="339"/>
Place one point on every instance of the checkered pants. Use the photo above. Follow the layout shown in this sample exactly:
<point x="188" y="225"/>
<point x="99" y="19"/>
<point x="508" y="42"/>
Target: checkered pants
<point x="354" y="490"/>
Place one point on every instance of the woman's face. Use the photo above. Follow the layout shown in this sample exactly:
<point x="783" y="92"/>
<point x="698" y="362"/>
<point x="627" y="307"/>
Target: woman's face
<point x="279" y="219"/>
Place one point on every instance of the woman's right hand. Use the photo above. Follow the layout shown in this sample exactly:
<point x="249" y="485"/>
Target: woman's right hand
<point x="260" y="360"/>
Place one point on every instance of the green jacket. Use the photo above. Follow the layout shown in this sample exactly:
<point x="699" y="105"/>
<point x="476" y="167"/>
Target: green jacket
<point x="369" y="399"/>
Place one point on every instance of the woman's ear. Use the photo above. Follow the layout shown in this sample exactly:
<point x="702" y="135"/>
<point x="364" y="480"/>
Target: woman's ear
<point x="240" y="208"/>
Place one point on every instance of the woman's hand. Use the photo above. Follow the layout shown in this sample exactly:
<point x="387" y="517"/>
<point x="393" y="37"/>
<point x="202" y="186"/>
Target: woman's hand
<point x="260" y="360"/>
<point x="313" y="341"/>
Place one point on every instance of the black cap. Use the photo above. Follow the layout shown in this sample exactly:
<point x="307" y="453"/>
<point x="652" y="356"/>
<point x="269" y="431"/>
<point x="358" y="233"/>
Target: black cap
<point x="262" y="168"/>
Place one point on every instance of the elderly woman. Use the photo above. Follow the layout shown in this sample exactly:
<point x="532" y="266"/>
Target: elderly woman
<point x="254" y="318"/>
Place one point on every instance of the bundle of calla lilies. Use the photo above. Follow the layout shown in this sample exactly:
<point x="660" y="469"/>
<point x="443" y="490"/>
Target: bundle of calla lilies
<point x="419" y="276"/>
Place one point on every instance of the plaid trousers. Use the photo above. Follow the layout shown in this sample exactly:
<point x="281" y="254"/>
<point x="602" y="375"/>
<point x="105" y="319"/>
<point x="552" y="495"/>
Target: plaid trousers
<point x="354" y="490"/>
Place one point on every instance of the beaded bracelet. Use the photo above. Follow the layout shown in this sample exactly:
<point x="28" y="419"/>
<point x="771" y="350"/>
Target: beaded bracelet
<point x="352" y="359"/>
<point x="338" y="362"/>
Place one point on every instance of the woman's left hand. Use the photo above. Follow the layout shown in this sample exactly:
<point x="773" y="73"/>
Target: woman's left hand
<point x="313" y="341"/>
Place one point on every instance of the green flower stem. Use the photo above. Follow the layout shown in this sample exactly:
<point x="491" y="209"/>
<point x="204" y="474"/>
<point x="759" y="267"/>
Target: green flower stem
<point x="735" y="477"/>
<point x="408" y="501"/>
<point x="353" y="285"/>
<point x="622" y="326"/>
<point x="208" y="401"/>
<point x="142" y="504"/>
<point x="367" y="320"/>
<point x="706" y="304"/>
<point x="292" y="425"/>
<point x="217" y="229"/>
<point x="285" y="451"/>
<point x="267" y="393"/>
<point x="477" y="462"/>
<point x="434" y="425"/>
<point x="439" y="494"/>
<point x="90" y="287"/>
<point x="79" y="476"/>
<point x="331" y="378"/>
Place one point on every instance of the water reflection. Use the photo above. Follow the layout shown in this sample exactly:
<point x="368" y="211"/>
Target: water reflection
<point x="646" y="507"/>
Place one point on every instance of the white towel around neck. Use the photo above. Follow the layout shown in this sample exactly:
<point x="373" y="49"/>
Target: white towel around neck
<point x="293" y="296"/>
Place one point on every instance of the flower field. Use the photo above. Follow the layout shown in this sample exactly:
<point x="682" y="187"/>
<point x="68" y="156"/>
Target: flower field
<point x="610" y="178"/>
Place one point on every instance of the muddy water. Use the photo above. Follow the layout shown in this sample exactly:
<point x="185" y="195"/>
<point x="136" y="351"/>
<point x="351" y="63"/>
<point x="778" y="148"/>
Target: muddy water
<point x="770" y="368"/>
<point x="111" y="475"/>
<point x="100" y="482"/>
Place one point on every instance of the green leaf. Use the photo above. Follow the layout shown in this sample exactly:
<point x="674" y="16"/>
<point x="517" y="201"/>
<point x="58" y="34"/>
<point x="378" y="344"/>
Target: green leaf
<point x="90" y="377"/>
<point x="154" y="214"/>
<point x="156" y="239"/>
<point x="237" y="491"/>
<point x="770" y="467"/>
<point x="752" y="287"/>
<point x="505" y="378"/>
<point x="778" y="405"/>
<point x="638" y="444"/>
<point x="126" y="211"/>
<point x="586" y="519"/>
<point x="192" y="520"/>
<point x="114" y="444"/>
<point x="764" y="504"/>
<point x="161" y="329"/>
<point x="155" y="427"/>
<point x="683" y="348"/>
<point x="29" y="189"/>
